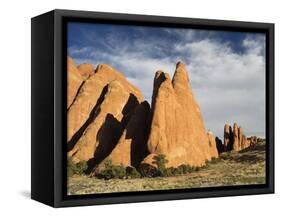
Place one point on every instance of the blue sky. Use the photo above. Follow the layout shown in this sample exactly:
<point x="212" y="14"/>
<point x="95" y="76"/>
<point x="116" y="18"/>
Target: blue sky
<point x="226" y="69"/>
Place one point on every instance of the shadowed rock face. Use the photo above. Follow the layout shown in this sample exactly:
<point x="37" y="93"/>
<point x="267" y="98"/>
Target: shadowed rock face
<point x="132" y="146"/>
<point x="90" y="95"/>
<point x="106" y="119"/>
<point x="228" y="138"/>
<point x="177" y="127"/>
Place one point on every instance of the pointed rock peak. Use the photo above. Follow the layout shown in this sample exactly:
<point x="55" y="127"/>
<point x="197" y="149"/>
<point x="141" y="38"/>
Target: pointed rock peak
<point x="227" y="127"/>
<point x="180" y="64"/>
<point x="180" y="78"/>
<point x="145" y="105"/>
<point x="160" y="77"/>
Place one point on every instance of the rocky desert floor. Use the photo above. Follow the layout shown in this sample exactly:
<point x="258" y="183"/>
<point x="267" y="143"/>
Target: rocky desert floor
<point x="233" y="168"/>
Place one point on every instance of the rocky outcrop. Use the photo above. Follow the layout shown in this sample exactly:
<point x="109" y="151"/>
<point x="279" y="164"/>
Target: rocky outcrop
<point x="236" y="142"/>
<point x="236" y="139"/>
<point x="131" y="148"/>
<point x="228" y="138"/>
<point x="220" y="146"/>
<point x="86" y="70"/>
<point x="74" y="81"/>
<point x="90" y="97"/>
<point x="212" y="144"/>
<point x="177" y="129"/>
<point x="108" y="120"/>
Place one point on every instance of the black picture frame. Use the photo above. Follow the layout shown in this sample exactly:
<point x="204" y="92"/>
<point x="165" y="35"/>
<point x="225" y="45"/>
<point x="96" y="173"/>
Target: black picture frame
<point x="48" y="92"/>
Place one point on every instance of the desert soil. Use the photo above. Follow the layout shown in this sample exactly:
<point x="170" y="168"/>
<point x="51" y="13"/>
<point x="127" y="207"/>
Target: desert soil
<point x="246" y="167"/>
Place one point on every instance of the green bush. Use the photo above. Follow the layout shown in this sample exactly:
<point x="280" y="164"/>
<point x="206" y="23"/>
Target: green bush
<point x="171" y="171"/>
<point x="180" y="170"/>
<point x="185" y="168"/>
<point x="132" y="172"/>
<point x="225" y="155"/>
<point x="111" y="171"/>
<point x="76" y="169"/>
<point x="149" y="171"/>
<point x="160" y="160"/>
<point x="213" y="160"/>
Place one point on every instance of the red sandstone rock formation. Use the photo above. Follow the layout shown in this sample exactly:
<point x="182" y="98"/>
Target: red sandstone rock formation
<point x="236" y="139"/>
<point x="177" y="128"/>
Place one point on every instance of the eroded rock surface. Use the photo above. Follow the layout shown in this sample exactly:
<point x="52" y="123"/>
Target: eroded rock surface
<point x="74" y="81"/>
<point x="177" y="128"/>
<point x="236" y="140"/>
<point x="91" y="95"/>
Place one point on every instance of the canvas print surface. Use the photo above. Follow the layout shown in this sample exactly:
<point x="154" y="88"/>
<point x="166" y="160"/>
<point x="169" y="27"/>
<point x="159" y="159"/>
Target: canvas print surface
<point x="154" y="108"/>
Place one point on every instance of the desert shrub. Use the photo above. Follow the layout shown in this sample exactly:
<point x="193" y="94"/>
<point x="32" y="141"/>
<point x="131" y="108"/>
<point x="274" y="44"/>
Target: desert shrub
<point x="77" y="169"/>
<point x="171" y="171"/>
<point x="132" y="172"/>
<point x="111" y="171"/>
<point x="180" y="170"/>
<point x="149" y="171"/>
<point x="225" y="155"/>
<point x="183" y="169"/>
<point x="161" y="161"/>
<point x="213" y="160"/>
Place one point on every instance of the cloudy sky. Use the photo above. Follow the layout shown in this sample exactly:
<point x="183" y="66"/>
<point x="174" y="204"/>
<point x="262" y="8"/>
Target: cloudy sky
<point x="226" y="69"/>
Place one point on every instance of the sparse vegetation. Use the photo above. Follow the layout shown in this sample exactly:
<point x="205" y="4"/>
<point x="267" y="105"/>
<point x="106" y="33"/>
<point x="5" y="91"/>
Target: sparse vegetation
<point x="160" y="161"/>
<point x="132" y="172"/>
<point x="76" y="169"/>
<point x="233" y="168"/>
<point x="112" y="171"/>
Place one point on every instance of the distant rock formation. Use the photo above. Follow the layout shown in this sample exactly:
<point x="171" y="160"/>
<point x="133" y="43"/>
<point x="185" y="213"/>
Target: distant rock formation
<point x="228" y="138"/>
<point x="236" y="139"/>
<point x="220" y="146"/>
<point x="177" y="128"/>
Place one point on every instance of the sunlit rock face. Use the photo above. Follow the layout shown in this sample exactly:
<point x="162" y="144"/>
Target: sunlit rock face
<point x="177" y="128"/>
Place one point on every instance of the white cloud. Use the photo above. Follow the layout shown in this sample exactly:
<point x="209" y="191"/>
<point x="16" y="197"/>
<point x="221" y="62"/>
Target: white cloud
<point x="229" y="86"/>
